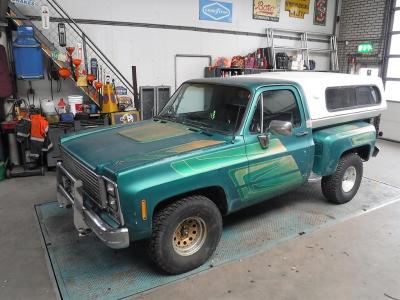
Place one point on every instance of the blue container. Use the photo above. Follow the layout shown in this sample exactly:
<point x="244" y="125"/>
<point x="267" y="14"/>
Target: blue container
<point x="28" y="55"/>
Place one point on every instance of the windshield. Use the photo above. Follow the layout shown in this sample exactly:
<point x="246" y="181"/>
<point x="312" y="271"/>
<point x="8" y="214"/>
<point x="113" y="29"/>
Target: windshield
<point x="210" y="107"/>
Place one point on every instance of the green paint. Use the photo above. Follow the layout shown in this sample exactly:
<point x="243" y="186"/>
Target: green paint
<point x="363" y="138"/>
<point x="334" y="141"/>
<point x="208" y="162"/>
<point x="266" y="179"/>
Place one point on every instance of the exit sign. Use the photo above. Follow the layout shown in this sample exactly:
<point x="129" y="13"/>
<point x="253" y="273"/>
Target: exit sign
<point x="365" y="48"/>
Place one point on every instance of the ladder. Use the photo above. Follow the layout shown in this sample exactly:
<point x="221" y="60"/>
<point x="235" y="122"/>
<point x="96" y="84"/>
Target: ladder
<point x="48" y="38"/>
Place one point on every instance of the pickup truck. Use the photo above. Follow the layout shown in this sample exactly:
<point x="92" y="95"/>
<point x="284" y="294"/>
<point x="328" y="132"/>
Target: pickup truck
<point x="219" y="145"/>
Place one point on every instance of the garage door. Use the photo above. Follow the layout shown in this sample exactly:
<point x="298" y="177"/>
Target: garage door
<point x="390" y="124"/>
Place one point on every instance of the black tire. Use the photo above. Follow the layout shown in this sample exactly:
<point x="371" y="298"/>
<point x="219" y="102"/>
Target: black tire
<point x="162" y="246"/>
<point x="332" y="185"/>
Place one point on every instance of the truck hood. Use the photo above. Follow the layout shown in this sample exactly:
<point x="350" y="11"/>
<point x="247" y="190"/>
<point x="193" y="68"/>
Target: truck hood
<point x="115" y="149"/>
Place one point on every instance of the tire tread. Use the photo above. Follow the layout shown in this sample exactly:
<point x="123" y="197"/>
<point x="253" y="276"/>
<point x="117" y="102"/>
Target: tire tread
<point x="159" y="224"/>
<point x="330" y="184"/>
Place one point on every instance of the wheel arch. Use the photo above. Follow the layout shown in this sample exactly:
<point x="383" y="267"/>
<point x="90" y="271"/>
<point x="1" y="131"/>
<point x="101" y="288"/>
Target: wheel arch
<point x="363" y="151"/>
<point x="215" y="193"/>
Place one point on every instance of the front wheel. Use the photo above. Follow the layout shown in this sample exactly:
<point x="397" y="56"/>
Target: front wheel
<point x="185" y="234"/>
<point x="342" y="186"/>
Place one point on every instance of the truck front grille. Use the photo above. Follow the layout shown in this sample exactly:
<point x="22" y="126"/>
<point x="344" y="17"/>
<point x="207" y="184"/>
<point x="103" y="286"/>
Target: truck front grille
<point x="91" y="181"/>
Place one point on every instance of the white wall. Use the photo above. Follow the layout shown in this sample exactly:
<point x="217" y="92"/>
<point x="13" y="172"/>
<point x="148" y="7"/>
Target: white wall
<point x="153" y="50"/>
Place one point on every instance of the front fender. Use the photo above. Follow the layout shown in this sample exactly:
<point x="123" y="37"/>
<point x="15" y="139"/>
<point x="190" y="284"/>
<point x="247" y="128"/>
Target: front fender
<point x="332" y="142"/>
<point x="160" y="183"/>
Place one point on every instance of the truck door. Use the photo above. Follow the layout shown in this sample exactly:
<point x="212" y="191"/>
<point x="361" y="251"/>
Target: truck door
<point x="283" y="162"/>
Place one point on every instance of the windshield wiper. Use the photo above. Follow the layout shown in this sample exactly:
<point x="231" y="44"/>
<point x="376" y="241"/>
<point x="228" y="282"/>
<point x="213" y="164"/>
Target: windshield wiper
<point x="166" y="117"/>
<point x="197" y="124"/>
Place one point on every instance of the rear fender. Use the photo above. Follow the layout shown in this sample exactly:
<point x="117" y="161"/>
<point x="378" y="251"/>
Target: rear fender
<point x="333" y="142"/>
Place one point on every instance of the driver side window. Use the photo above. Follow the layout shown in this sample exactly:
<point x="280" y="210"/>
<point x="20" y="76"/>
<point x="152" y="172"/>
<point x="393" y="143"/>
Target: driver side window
<point x="278" y="105"/>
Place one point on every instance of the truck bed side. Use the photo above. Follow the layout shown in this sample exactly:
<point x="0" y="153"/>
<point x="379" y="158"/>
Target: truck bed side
<point x="332" y="142"/>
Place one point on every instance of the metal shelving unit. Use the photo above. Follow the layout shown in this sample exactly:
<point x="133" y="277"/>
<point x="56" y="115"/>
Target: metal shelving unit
<point x="304" y="38"/>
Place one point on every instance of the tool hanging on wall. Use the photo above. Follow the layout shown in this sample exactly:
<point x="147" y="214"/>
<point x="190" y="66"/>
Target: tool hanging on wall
<point x="45" y="17"/>
<point x="52" y="74"/>
<point x="62" y="35"/>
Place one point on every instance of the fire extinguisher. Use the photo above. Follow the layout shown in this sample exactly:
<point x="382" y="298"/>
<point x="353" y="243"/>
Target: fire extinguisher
<point x="351" y="64"/>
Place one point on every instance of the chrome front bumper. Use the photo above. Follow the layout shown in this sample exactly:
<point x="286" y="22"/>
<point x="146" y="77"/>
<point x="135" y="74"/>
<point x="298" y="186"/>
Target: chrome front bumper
<point x="84" y="217"/>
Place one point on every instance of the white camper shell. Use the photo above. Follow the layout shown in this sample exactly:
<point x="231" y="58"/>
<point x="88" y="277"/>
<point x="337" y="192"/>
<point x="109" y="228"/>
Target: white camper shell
<point x="329" y="96"/>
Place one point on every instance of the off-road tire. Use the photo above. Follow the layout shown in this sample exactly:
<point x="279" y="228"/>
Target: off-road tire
<point x="165" y="222"/>
<point x="332" y="184"/>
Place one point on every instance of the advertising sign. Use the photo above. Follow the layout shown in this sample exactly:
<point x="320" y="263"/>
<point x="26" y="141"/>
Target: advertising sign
<point x="215" y="11"/>
<point x="25" y="2"/>
<point x="320" y="8"/>
<point x="297" y="8"/>
<point x="266" y="10"/>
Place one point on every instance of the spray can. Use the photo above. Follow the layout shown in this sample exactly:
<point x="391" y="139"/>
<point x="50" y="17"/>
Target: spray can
<point x="94" y="67"/>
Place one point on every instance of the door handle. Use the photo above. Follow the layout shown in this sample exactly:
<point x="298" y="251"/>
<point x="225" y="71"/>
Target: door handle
<point x="302" y="133"/>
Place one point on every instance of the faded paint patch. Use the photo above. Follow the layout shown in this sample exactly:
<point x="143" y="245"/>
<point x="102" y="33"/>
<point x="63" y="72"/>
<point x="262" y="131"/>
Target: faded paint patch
<point x="363" y="138"/>
<point x="154" y="132"/>
<point x="194" y="145"/>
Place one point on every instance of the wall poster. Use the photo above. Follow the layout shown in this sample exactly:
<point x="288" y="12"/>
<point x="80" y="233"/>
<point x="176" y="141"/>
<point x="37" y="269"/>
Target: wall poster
<point x="266" y="10"/>
<point x="215" y="11"/>
<point x="297" y="8"/>
<point x="320" y="9"/>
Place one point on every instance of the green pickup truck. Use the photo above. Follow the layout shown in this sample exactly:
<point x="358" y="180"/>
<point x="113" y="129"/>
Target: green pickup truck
<point x="219" y="145"/>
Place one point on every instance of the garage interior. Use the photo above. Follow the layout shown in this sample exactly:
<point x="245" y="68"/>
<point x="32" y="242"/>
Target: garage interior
<point x="295" y="246"/>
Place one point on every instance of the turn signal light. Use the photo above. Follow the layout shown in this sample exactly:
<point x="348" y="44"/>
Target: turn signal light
<point x="143" y="205"/>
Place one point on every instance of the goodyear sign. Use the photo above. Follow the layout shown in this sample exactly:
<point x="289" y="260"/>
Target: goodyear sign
<point x="25" y="2"/>
<point x="215" y="11"/>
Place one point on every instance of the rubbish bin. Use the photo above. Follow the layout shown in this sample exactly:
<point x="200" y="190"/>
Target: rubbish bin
<point x="28" y="56"/>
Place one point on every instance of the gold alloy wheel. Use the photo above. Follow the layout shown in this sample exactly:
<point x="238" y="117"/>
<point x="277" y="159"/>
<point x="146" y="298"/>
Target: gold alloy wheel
<point x="189" y="236"/>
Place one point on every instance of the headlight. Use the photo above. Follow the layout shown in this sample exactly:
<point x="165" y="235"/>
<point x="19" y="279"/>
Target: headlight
<point x="110" y="189"/>
<point x="112" y="202"/>
<point x="111" y="196"/>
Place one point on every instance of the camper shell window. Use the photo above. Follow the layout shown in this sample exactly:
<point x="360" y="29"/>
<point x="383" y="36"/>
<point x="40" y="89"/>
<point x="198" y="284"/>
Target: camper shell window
<point x="350" y="97"/>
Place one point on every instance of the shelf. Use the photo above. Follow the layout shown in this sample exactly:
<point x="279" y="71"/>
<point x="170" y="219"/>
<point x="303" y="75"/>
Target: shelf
<point x="303" y="45"/>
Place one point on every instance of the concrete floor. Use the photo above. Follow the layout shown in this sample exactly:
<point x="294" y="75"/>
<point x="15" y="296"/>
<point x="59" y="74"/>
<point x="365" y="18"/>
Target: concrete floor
<point x="355" y="259"/>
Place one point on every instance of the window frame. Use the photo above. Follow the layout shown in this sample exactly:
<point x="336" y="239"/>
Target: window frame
<point x="391" y="12"/>
<point x="260" y="98"/>
<point x="355" y="94"/>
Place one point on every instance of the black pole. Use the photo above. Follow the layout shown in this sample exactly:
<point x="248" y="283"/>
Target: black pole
<point x="135" y="88"/>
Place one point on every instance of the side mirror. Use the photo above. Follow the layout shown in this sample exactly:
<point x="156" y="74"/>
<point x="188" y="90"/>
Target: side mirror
<point x="280" y="127"/>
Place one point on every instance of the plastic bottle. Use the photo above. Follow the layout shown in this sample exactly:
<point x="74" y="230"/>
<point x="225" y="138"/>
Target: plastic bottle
<point x="61" y="106"/>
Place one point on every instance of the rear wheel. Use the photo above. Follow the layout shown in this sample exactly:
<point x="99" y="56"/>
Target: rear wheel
<point x="185" y="234"/>
<point x="342" y="186"/>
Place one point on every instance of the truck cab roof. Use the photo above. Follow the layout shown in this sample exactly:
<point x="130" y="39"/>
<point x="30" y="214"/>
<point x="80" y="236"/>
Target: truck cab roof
<point x="325" y="93"/>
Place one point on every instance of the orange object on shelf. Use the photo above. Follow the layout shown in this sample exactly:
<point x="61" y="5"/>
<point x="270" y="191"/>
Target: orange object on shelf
<point x="109" y="100"/>
<point x="98" y="85"/>
<point x="77" y="62"/>
<point x="64" y="73"/>
<point x="70" y="50"/>
<point x="91" y="78"/>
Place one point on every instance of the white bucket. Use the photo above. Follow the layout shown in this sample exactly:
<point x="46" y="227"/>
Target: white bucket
<point x="73" y="100"/>
<point x="47" y="106"/>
